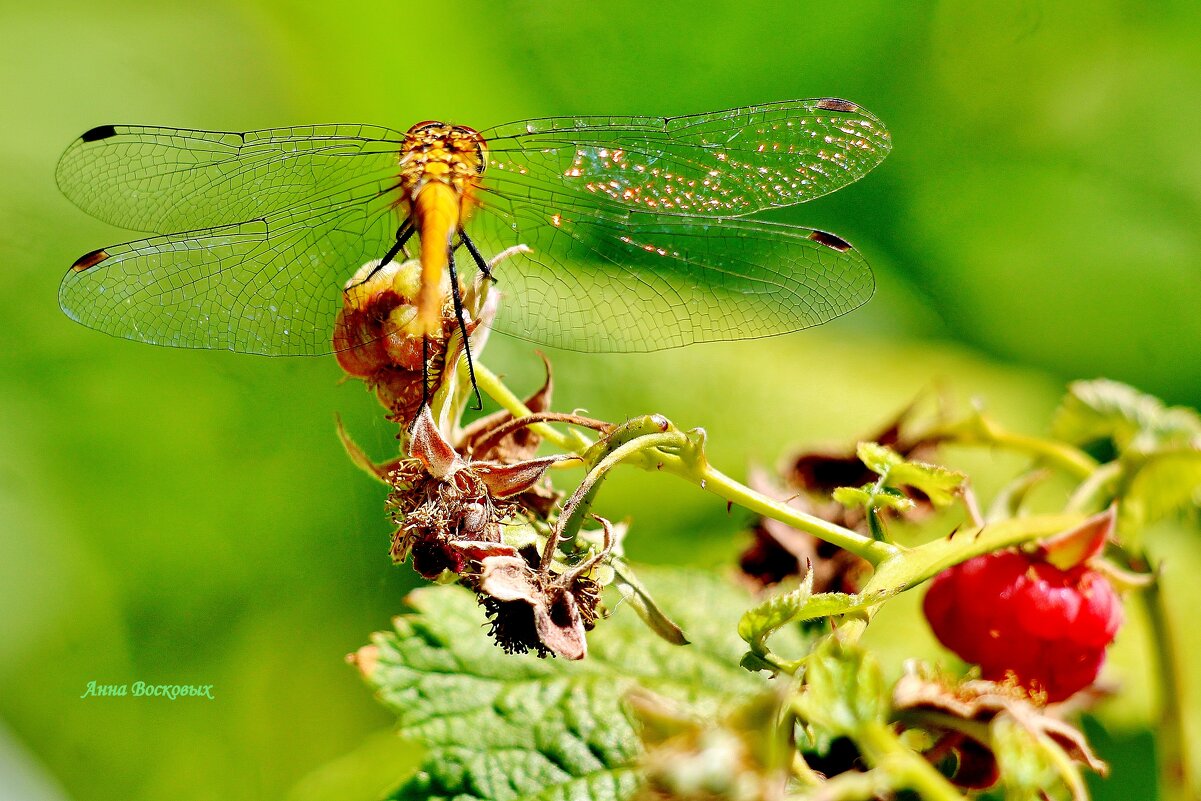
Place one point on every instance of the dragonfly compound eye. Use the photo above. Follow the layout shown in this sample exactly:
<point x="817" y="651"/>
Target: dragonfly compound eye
<point x="469" y="140"/>
<point x="425" y="125"/>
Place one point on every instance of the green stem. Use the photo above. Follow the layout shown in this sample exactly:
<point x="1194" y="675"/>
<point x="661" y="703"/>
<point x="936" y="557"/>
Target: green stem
<point x="982" y="430"/>
<point x="580" y="502"/>
<point x="572" y="442"/>
<point x="717" y="482"/>
<point x="1175" y="775"/>
<point x="905" y="768"/>
<point x="1095" y="490"/>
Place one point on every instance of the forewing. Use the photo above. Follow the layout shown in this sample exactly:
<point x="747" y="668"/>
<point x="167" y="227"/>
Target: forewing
<point x="725" y="163"/>
<point x="167" y="179"/>
<point x="271" y="286"/>
<point x="643" y="281"/>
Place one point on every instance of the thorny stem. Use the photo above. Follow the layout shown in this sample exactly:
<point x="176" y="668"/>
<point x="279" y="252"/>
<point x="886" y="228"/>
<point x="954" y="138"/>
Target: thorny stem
<point x="695" y="469"/>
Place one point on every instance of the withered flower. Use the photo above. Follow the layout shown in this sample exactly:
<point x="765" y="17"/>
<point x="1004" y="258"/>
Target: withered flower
<point x="780" y="551"/>
<point x="535" y="609"/>
<point x="807" y="481"/>
<point x="939" y="704"/>
<point x="443" y="500"/>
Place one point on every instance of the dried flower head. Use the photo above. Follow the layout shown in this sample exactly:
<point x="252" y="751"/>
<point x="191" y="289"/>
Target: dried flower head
<point x="533" y="608"/>
<point x="441" y="499"/>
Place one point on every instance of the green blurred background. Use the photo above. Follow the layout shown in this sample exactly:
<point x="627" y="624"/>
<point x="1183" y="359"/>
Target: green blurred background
<point x="190" y="517"/>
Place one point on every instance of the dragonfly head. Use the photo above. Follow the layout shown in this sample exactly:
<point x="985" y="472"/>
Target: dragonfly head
<point x="439" y="151"/>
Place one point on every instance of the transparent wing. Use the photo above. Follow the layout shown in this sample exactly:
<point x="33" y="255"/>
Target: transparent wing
<point x="270" y="286"/>
<point x="724" y="163"/>
<point x="643" y="281"/>
<point x="166" y="179"/>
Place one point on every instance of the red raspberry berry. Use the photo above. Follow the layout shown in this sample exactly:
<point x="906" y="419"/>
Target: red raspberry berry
<point x="1016" y="615"/>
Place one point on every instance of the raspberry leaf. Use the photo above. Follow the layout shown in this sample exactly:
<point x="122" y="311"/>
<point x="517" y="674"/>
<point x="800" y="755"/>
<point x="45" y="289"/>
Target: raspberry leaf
<point x="1164" y="484"/>
<point x="938" y="483"/>
<point x="1102" y="409"/>
<point x="505" y="727"/>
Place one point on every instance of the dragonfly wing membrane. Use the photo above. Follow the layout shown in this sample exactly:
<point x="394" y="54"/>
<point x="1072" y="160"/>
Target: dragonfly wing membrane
<point x="643" y="281"/>
<point x="721" y="164"/>
<point x="165" y="180"/>
<point x="270" y="286"/>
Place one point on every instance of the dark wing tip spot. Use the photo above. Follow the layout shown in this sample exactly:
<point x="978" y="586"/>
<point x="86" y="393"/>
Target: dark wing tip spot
<point x="89" y="260"/>
<point x="830" y="241"/>
<point x="98" y="133"/>
<point x="834" y="104"/>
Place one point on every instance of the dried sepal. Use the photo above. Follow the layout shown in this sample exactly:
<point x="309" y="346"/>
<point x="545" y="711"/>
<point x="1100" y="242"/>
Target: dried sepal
<point x="935" y="702"/>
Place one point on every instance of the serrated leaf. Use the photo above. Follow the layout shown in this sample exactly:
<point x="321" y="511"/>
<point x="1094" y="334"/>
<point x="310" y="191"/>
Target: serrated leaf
<point x="770" y="616"/>
<point x="760" y="622"/>
<point x="880" y="459"/>
<point x="508" y="727"/>
<point x="844" y="690"/>
<point x="1104" y="409"/>
<point x="938" y="483"/>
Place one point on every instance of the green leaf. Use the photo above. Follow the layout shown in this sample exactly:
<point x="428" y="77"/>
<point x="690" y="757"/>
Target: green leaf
<point x="878" y="458"/>
<point x="507" y="727"/>
<point x="844" y="690"/>
<point x="1103" y="409"/>
<point x="760" y="622"/>
<point x="1163" y="485"/>
<point x="937" y="482"/>
<point x="764" y="620"/>
<point x="868" y="497"/>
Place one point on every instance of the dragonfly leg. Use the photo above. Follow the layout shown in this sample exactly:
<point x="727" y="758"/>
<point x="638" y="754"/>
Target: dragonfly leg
<point x="458" y="301"/>
<point x="476" y="256"/>
<point x="403" y="234"/>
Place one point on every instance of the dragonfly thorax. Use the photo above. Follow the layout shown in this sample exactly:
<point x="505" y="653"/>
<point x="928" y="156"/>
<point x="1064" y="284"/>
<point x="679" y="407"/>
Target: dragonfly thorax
<point x="435" y="151"/>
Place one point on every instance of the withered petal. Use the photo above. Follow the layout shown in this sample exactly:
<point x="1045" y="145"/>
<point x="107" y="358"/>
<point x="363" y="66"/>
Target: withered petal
<point x="359" y="457"/>
<point x="478" y="551"/>
<point x="561" y="628"/>
<point x="509" y="578"/>
<point x="504" y="480"/>
<point x="427" y="445"/>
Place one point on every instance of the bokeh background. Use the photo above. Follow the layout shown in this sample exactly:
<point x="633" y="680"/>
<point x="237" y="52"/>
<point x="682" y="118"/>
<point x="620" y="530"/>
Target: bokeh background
<point x="190" y="517"/>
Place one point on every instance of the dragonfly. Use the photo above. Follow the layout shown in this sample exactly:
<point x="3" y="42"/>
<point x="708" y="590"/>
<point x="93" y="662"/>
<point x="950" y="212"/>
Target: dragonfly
<point x="636" y="230"/>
